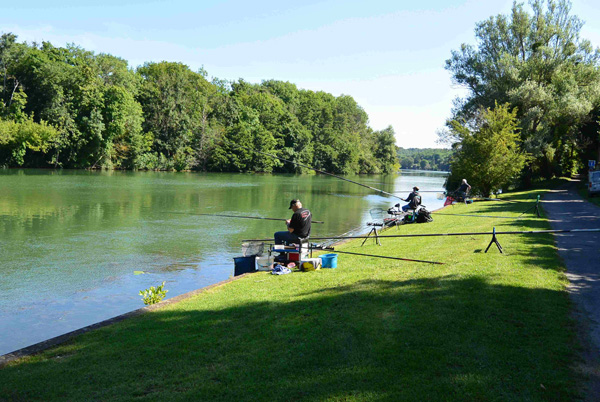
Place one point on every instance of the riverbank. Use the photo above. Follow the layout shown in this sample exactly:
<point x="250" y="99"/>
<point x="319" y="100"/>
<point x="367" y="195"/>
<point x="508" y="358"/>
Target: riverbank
<point x="72" y="241"/>
<point x="483" y="326"/>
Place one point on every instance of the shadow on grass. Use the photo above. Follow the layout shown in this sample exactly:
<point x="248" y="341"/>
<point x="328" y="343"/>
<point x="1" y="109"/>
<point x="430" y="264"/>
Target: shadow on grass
<point x="538" y="249"/>
<point x="440" y="338"/>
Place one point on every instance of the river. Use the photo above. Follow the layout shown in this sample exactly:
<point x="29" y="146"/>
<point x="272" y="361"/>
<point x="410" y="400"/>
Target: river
<point x="71" y="241"/>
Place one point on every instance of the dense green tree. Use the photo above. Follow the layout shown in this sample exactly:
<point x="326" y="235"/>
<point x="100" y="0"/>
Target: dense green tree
<point x="538" y="63"/>
<point x="385" y="150"/>
<point x="406" y="162"/>
<point x="62" y="87"/>
<point x="125" y="142"/>
<point x="17" y="138"/>
<point x="488" y="155"/>
<point x="93" y="111"/>
<point x="435" y="158"/>
<point x="9" y="85"/>
<point x="76" y="91"/>
<point x="175" y="101"/>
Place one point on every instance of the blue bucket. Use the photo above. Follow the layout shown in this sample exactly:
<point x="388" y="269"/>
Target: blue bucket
<point x="244" y="265"/>
<point x="329" y="260"/>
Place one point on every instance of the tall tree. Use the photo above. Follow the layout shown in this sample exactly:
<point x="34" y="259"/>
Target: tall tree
<point x="385" y="150"/>
<point x="175" y="101"/>
<point x="538" y="63"/>
<point x="165" y="116"/>
<point x="488" y="155"/>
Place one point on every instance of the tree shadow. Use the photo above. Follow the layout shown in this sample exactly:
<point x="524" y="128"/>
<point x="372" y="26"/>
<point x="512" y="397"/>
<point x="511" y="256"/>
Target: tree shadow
<point x="448" y="337"/>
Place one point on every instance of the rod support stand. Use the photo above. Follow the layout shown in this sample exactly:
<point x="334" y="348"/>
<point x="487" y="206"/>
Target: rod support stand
<point x="494" y="241"/>
<point x="376" y="234"/>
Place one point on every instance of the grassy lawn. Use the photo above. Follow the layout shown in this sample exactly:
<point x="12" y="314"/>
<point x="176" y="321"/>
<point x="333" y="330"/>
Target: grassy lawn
<point x="481" y="327"/>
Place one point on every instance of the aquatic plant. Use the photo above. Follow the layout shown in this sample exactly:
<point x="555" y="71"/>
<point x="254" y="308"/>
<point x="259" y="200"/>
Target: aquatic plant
<point x="154" y="294"/>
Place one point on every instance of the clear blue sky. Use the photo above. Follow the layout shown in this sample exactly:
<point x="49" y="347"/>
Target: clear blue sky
<point x="388" y="55"/>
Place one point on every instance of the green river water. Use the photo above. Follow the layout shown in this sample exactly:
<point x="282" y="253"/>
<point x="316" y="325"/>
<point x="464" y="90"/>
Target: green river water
<point x="70" y="241"/>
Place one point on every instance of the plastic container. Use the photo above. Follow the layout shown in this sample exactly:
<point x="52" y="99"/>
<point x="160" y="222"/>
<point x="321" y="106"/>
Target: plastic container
<point x="329" y="260"/>
<point x="244" y="265"/>
<point x="310" y="264"/>
<point x="264" y="263"/>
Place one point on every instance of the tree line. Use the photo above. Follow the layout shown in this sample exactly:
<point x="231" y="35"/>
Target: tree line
<point x="533" y="104"/>
<point x="69" y="107"/>
<point x="425" y="158"/>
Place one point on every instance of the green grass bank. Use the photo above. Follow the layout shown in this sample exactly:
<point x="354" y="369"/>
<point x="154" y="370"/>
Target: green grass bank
<point x="481" y="327"/>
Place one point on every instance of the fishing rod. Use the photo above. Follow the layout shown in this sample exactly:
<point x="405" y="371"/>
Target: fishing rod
<point x="237" y="216"/>
<point x="420" y="191"/>
<point x="312" y="168"/>
<point x="499" y="199"/>
<point x="452" y="193"/>
<point x="475" y="216"/>
<point x="382" y="256"/>
<point x="450" y="234"/>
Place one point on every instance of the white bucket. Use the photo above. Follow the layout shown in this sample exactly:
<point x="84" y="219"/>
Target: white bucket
<point x="264" y="263"/>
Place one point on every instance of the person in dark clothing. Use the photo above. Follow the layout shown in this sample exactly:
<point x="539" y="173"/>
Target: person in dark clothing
<point x="298" y="226"/>
<point x="463" y="190"/>
<point x="413" y="199"/>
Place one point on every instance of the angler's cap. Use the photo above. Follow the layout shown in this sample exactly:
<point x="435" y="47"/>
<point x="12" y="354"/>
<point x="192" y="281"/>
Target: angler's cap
<point x="293" y="202"/>
<point x="416" y="188"/>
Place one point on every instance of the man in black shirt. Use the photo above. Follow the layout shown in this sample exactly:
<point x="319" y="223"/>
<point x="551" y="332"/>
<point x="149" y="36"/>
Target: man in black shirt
<point x="298" y="226"/>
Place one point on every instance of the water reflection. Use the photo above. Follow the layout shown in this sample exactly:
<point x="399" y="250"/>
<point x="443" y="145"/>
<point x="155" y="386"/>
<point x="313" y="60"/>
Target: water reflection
<point x="71" y="240"/>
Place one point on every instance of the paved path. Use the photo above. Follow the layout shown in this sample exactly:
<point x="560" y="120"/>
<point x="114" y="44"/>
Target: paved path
<point x="581" y="253"/>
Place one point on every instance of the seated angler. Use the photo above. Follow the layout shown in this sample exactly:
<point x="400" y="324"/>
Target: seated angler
<point x="298" y="226"/>
<point x="413" y="199"/>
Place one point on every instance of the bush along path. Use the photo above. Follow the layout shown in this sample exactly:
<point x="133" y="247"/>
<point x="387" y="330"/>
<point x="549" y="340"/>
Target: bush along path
<point x="483" y="326"/>
<point x="581" y="255"/>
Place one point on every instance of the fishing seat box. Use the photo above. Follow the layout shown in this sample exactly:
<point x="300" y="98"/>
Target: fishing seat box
<point x="293" y="253"/>
<point x="297" y="256"/>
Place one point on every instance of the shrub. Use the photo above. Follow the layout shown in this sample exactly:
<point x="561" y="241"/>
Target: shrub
<point x="154" y="294"/>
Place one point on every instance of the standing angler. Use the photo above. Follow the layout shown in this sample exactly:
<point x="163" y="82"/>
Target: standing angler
<point x="298" y="226"/>
<point x="463" y="189"/>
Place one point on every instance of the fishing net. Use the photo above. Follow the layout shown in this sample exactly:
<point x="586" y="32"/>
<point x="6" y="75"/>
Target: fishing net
<point x="376" y="213"/>
<point x="253" y="248"/>
<point x="441" y="196"/>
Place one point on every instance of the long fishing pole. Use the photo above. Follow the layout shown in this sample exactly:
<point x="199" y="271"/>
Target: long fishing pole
<point x="383" y="256"/>
<point x="420" y="191"/>
<point x="450" y="194"/>
<point x="315" y="169"/>
<point x="237" y="216"/>
<point x="449" y="234"/>
<point x="475" y="216"/>
<point x="499" y="199"/>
